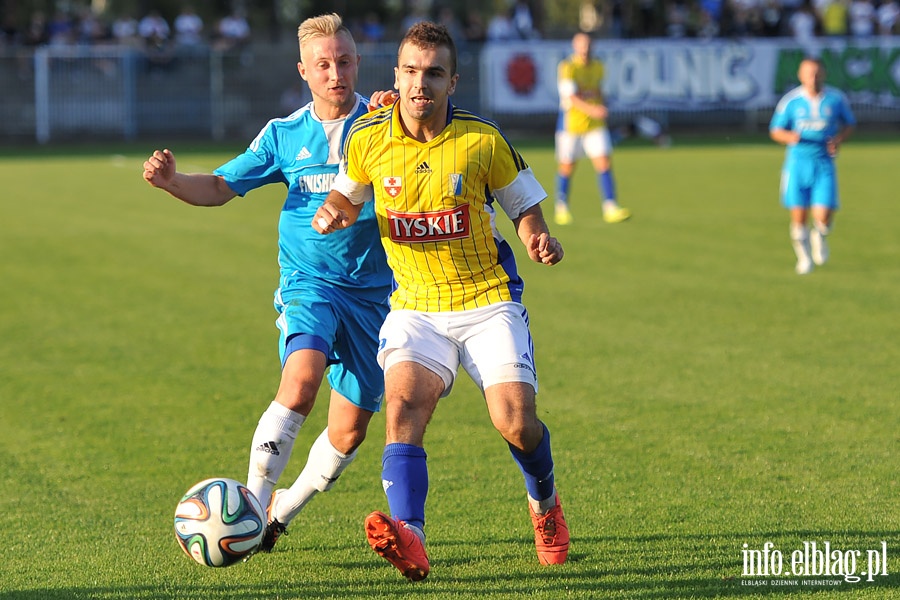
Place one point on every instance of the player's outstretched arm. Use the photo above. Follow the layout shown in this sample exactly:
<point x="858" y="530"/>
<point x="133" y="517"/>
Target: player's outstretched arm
<point x="337" y="212"/>
<point x="198" y="189"/>
<point x="535" y="235"/>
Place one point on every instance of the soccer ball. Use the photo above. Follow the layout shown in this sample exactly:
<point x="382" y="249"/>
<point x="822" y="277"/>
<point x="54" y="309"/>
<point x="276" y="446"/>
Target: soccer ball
<point x="219" y="522"/>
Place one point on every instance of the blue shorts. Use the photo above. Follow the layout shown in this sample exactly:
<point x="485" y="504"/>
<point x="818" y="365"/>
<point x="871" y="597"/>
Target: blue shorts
<point x="809" y="182"/>
<point x="342" y="326"/>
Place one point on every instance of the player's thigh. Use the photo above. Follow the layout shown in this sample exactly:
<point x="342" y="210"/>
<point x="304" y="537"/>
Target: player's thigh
<point x="355" y="373"/>
<point x="597" y="145"/>
<point x="795" y="188"/>
<point x="568" y="147"/>
<point x="824" y="189"/>
<point x="306" y="309"/>
<point x="418" y="337"/>
<point x="497" y="346"/>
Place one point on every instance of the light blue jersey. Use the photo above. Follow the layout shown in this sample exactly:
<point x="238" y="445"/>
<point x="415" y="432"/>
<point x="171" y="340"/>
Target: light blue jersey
<point x="808" y="176"/>
<point x="816" y="119"/>
<point x="333" y="290"/>
<point x="303" y="153"/>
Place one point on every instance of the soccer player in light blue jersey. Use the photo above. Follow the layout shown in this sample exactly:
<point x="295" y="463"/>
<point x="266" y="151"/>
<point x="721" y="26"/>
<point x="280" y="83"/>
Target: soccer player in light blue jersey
<point x="812" y="120"/>
<point x="333" y="291"/>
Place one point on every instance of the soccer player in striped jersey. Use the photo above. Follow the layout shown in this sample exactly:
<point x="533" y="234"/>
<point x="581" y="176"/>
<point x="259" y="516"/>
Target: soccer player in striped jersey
<point x="812" y="120"/>
<point x="439" y="173"/>
<point x="332" y="294"/>
<point x="581" y="130"/>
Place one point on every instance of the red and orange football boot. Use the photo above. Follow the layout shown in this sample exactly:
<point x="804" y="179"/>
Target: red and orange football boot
<point x="397" y="544"/>
<point x="551" y="535"/>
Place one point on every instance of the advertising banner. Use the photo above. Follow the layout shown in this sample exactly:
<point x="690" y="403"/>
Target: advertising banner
<point x="682" y="75"/>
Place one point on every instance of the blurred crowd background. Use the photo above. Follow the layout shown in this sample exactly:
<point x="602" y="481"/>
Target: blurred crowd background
<point x="160" y="25"/>
<point x="218" y="69"/>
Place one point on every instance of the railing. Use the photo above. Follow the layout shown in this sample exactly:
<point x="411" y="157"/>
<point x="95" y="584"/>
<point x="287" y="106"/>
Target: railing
<point x="117" y="93"/>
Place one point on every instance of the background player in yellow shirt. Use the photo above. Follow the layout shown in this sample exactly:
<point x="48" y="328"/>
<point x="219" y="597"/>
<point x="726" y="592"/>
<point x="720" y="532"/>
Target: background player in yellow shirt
<point x="437" y="173"/>
<point x="581" y="130"/>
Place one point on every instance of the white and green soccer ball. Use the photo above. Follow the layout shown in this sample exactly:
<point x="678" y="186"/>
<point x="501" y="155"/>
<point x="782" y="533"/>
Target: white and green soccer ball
<point x="219" y="522"/>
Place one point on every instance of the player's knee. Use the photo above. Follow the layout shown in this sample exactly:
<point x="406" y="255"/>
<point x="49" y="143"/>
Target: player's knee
<point x="346" y="441"/>
<point x="524" y="433"/>
<point x="298" y="393"/>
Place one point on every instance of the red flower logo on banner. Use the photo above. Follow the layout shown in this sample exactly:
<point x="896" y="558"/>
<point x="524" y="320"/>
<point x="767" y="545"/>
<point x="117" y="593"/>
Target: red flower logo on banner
<point x="521" y="73"/>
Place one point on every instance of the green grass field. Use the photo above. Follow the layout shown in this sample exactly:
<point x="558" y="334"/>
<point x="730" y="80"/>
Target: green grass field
<point x="701" y="396"/>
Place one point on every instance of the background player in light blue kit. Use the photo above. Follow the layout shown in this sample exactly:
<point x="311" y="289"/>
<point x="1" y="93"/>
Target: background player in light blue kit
<point x="812" y="120"/>
<point x="333" y="291"/>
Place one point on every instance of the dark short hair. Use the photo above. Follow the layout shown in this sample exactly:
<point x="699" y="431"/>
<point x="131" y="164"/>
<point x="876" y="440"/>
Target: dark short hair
<point x="426" y="34"/>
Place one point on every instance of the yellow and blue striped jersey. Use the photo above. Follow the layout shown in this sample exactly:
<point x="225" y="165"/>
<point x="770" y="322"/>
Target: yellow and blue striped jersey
<point x="586" y="80"/>
<point x="434" y="205"/>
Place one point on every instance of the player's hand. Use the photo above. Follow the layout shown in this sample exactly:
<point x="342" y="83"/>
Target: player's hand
<point x="159" y="169"/>
<point x="329" y="218"/>
<point x="545" y="248"/>
<point x="382" y="98"/>
<point x="600" y="112"/>
<point x="832" y="145"/>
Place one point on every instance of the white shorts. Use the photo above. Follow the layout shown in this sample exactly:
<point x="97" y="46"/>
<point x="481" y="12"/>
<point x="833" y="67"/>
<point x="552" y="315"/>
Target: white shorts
<point x="572" y="146"/>
<point x="493" y="344"/>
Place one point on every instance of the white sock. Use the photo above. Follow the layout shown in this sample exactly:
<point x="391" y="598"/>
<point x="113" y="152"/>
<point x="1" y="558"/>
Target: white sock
<point x="323" y="467"/>
<point x="609" y="205"/>
<point x="822" y="228"/>
<point x="800" y="242"/>
<point x="542" y="506"/>
<point x="271" y="448"/>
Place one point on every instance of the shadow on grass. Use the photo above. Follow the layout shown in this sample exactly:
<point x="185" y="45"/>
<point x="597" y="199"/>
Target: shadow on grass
<point x="646" y="567"/>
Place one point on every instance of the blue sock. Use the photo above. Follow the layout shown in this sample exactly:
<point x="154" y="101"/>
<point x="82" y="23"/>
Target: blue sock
<point x="537" y="467"/>
<point x="562" y="189"/>
<point x="607" y="185"/>
<point x="404" y="475"/>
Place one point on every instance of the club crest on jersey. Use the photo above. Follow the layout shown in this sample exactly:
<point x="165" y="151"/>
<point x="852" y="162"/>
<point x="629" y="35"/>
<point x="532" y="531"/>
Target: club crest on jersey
<point x="437" y="226"/>
<point x="455" y="184"/>
<point x="392" y="185"/>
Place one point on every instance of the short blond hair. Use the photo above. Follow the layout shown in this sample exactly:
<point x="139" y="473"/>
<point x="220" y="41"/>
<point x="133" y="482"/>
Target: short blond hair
<point x="328" y="25"/>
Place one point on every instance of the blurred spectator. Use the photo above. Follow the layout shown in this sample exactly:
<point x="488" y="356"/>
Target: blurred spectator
<point x="475" y="30"/>
<point x="233" y="32"/>
<point x="36" y="32"/>
<point x="678" y="17"/>
<point x="372" y="29"/>
<point x="154" y="29"/>
<point x="770" y="17"/>
<point x="650" y="17"/>
<point x="418" y="12"/>
<point x="61" y="29"/>
<point x="713" y="7"/>
<point x="834" y="15"/>
<point x="803" y="23"/>
<point x="500" y="27"/>
<point x="125" y="30"/>
<point x="707" y="25"/>
<point x="888" y="17"/>
<point x="745" y="18"/>
<point x="9" y="32"/>
<point x="522" y="18"/>
<point x="448" y="19"/>
<point x="188" y="28"/>
<point x="91" y="28"/>
<point x="862" y="18"/>
<point x="589" y="18"/>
